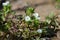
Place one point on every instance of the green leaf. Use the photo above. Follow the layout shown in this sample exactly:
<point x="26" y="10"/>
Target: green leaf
<point x="29" y="11"/>
<point x="36" y="23"/>
<point x="58" y="0"/>
<point x="3" y="18"/>
<point x="7" y="8"/>
<point x="50" y="16"/>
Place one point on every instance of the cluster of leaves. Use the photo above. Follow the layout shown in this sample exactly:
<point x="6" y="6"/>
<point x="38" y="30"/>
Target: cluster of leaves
<point x="50" y="25"/>
<point x="18" y="28"/>
<point x="3" y="15"/>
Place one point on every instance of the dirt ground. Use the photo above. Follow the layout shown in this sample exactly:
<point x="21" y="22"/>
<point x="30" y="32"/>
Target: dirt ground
<point x="43" y="7"/>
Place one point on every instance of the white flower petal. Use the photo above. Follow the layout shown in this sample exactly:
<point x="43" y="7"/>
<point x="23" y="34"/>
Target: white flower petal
<point x="39" y="30"/>
<point x="27" y="18"/>
<point x="6" y="3"/>
<point x="35" y="14"/>
<point x="43" y="39"/>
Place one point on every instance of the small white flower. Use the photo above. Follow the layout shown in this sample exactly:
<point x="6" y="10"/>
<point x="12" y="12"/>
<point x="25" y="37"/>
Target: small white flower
<point x="35" y="14"/>
<point x="39" y="30"/>
<point x="6" y="3"/>
<point x="43" y="39"/>
<point x="27" y="18"/>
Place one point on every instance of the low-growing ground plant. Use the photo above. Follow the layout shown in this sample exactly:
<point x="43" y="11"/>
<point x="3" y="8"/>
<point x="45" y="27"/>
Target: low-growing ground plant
<point x="26" y="27"/>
